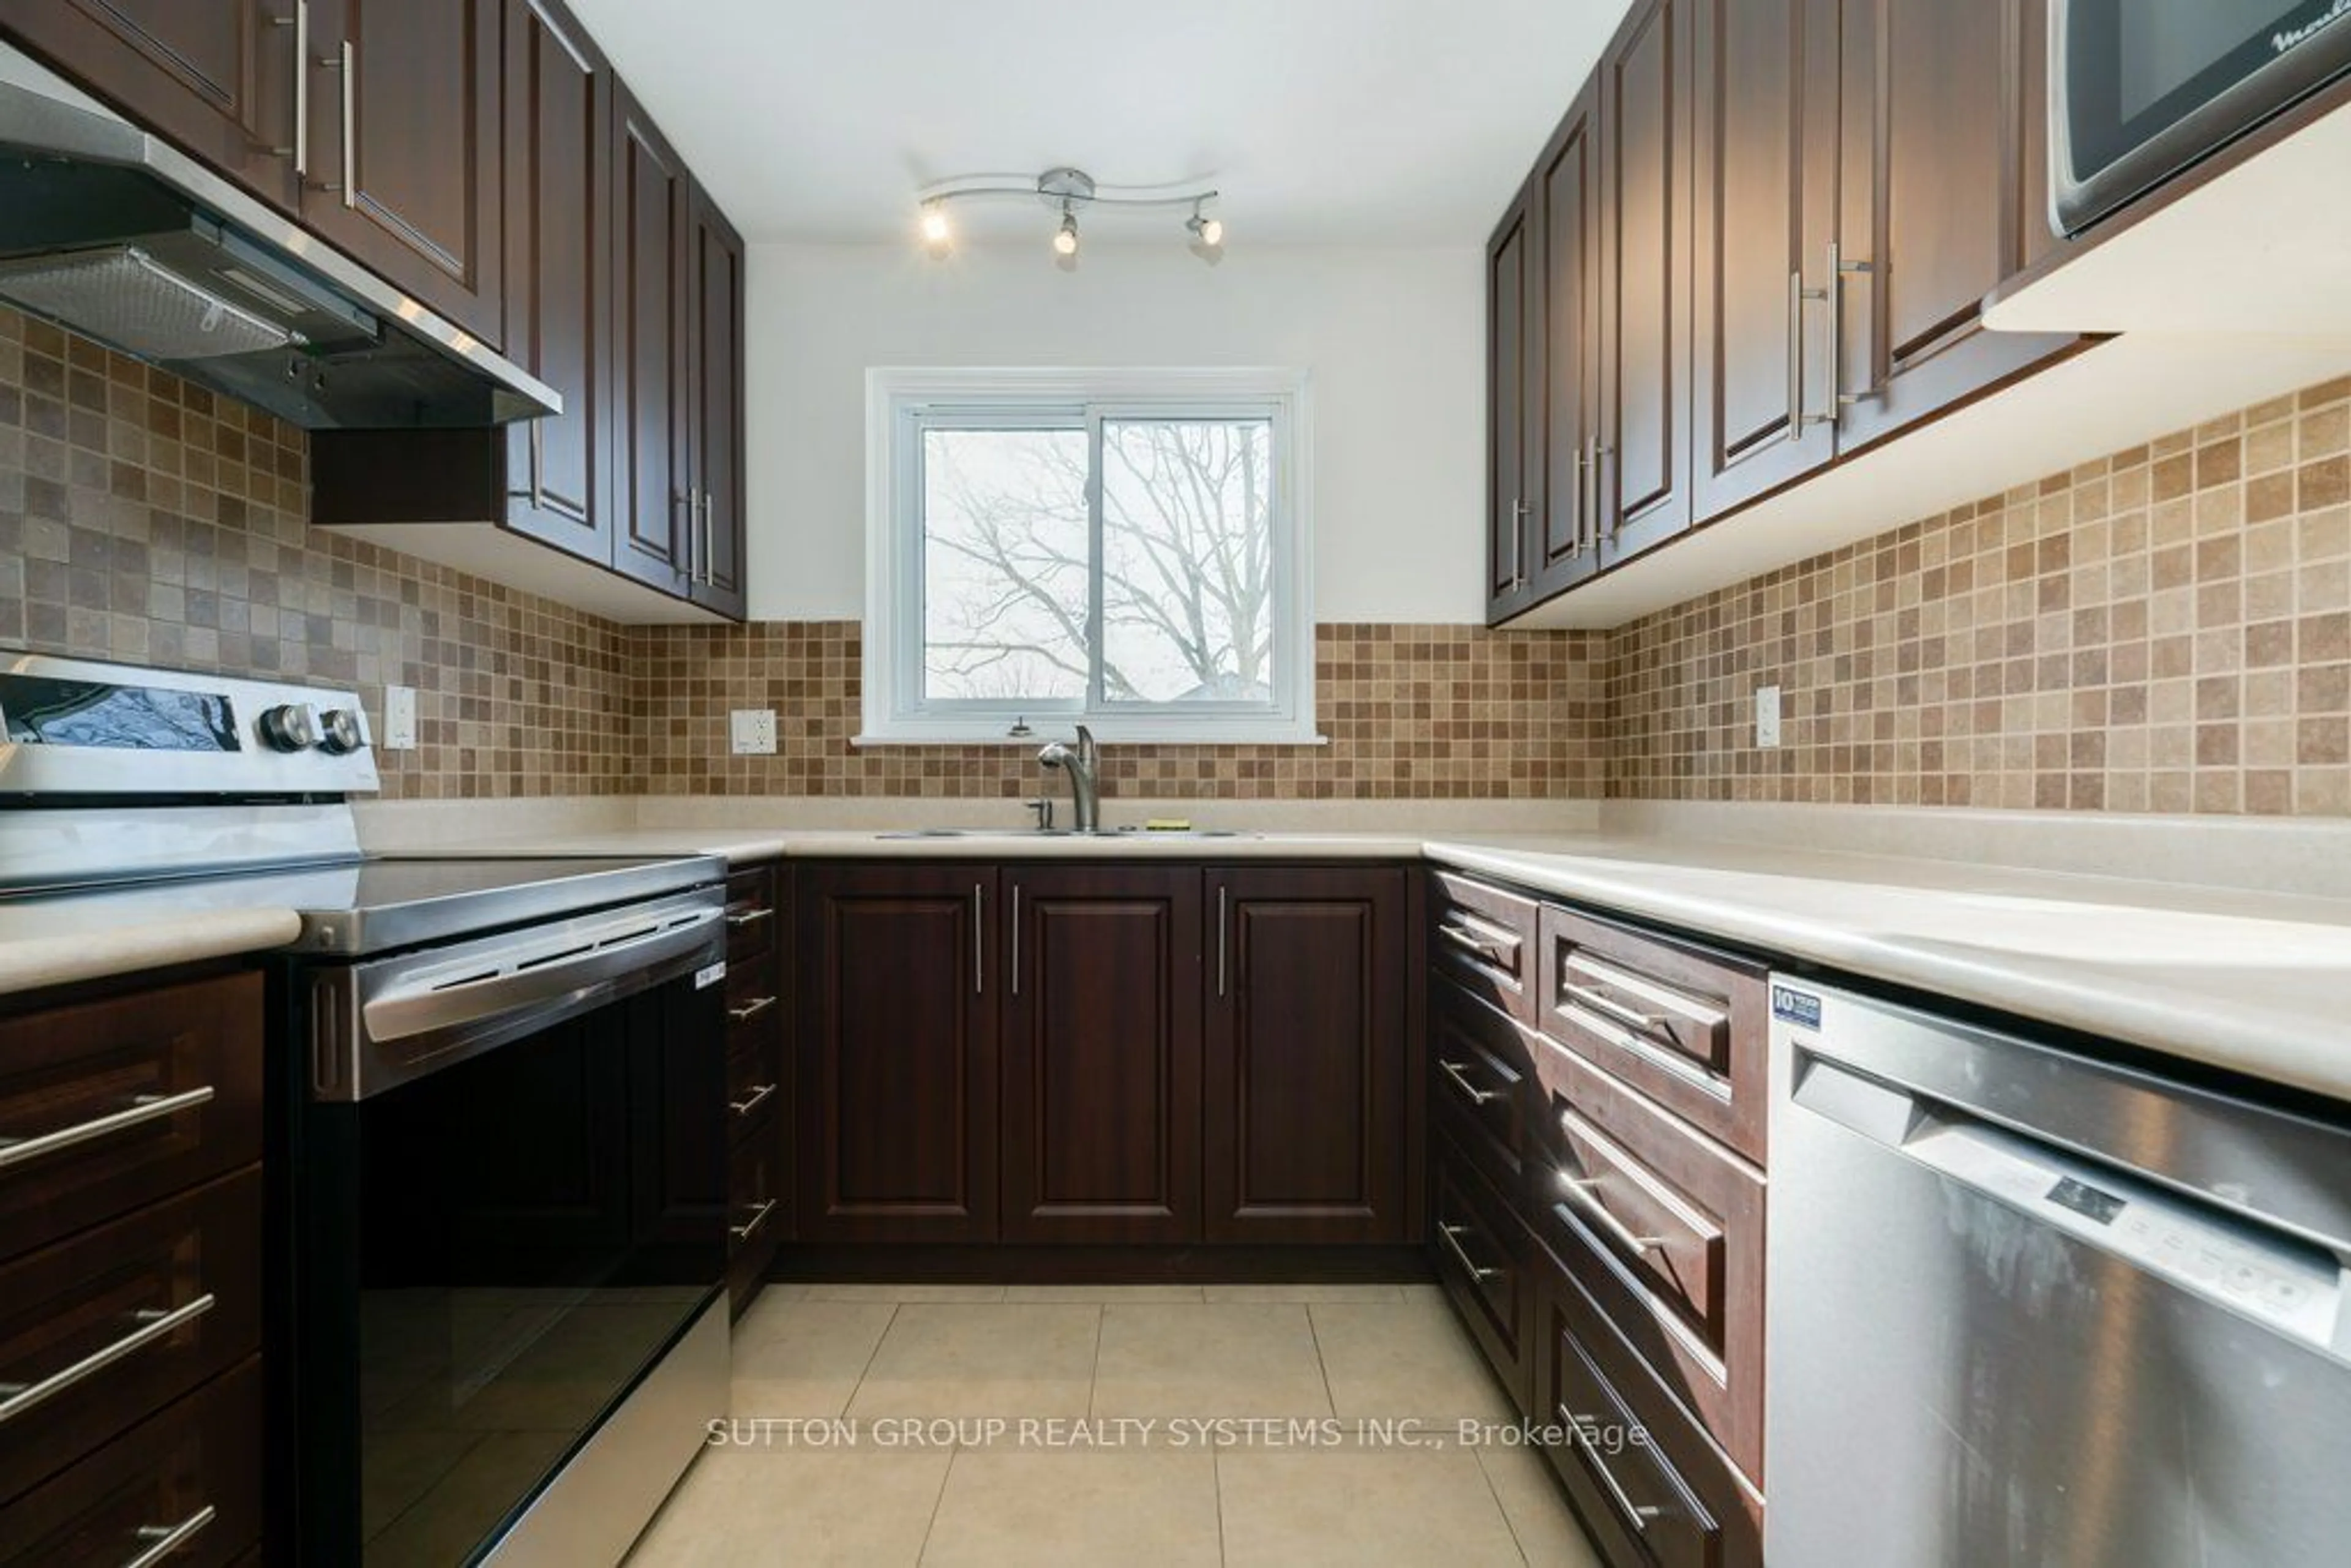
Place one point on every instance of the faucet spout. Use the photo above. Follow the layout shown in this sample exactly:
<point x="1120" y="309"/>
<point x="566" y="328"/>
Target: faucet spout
<point x="1082" y="763"/>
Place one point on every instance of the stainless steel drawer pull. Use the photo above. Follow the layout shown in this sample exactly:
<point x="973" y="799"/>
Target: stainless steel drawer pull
<point x="979" y="940"/>
<point x="1610" y="1009"/>
<point x="1459" y="1072"/>
<point x="1222" y="923"/>
<point x="751" y="1008"/>
<point x="1638" y="1514"/>
<point x="1579" y="1191"/>
<point x="743" y="1232"/>
<point x="759" y="1097"/>
<point x="1453" y="1235"/>
<point x="145" y="1108"/>
<point x="739" y="918"/>
<point x="1492" y="952"/>
<point x="160" y="1541"/>
<point x="16" y="1398"/>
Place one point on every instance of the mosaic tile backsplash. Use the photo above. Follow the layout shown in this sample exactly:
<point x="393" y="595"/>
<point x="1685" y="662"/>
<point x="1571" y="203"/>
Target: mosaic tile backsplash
<point x="2167" y="629"/>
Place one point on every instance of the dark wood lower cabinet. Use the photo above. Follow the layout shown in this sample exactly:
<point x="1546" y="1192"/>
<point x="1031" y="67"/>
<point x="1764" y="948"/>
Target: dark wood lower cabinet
<point x="897" y="980"/>
<point x="1481" y="1254"/>
<point x="761" y="1215"/>
<point x="1102" y="1054"/>
<point x="1307" y="1056"/>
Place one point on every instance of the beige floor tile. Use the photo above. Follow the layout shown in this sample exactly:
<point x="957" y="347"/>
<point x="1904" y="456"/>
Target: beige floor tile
<point x="743" y="1507"/>
<point x="947" y="1359"/>
<point x="1407" y="1359"/>
<point x="1101" y="1293"/>
<point x="1078" y="1506"/>
<point x="1303" y="1293"/>
<point x="1394" y="1507"/>
<point x="805" y="1358"/>
<point x="1536" y="1507"/>
<point x="905" y="1294"/>
<point x="1230" y="1359"/>
<point x="782" y="1290"/>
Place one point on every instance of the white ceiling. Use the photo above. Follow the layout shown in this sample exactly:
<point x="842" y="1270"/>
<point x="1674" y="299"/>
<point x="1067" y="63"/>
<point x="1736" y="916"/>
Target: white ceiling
<point x="1324" y="121"/>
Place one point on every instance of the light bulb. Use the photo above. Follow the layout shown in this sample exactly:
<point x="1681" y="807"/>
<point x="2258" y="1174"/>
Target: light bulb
<point x="938" y="232"/>
<point x="1212" y="232"/>
<point x="1065" y="238"/>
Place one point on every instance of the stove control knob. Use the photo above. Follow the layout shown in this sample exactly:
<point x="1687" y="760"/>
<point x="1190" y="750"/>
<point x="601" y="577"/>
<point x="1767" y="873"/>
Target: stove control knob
<point x="290" y="726"/>
<point x="342" y="733"/>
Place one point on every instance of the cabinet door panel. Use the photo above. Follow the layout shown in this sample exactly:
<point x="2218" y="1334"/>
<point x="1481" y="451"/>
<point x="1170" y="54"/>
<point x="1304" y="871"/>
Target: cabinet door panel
<point x="1307" y="1056"/>
<point x="1935" y="180"/>
<point x="407" y="154"/>
<point x="1643" y="457"/>
<point x="651" y="401"/>
<point x="1102" y="1055"/>
<point x="214" y="76"/>
<point x="717" y="341"/>
<point x="1510" y="400"/>
<point x="898" y="1054"/>
<point x="559" y="113"/>
<point x="1765" y="145"/>
<point x="1566" y="318"/>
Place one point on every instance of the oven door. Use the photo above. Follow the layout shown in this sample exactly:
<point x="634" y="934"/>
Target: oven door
<point x="503" y="1219"/>
<point x="2141" y="89"/>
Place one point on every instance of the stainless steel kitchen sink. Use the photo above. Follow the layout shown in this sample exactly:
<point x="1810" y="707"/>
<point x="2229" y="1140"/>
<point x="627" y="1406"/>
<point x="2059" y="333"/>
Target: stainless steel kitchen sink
<point x="1128" y="832"/>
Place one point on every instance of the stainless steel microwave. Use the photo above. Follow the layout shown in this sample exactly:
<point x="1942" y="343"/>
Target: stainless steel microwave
<point x="2139" y="89"/>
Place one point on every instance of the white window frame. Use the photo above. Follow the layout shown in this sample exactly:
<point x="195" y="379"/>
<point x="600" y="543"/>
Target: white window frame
<point x="900" y="402"/>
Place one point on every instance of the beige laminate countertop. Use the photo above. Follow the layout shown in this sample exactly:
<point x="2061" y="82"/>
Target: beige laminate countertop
<point x="87" y="936"/>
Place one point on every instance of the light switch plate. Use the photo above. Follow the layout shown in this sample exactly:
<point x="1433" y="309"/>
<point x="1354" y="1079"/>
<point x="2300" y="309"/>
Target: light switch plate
<point x="400" y="719"/>
<point x="1767" y="716"/>
<point x="751" y="732"/>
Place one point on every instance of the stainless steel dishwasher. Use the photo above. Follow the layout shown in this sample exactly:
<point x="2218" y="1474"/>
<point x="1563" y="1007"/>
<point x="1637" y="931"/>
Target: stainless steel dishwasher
<point x="2032" y="1308"/>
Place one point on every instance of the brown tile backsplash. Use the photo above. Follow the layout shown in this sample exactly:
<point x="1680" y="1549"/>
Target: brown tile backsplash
<point x="1411" y="712"/>
<point x="2167" y="629"/>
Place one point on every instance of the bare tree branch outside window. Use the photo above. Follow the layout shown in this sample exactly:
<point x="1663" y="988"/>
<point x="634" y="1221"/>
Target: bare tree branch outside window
<point x="1186" y="610"/>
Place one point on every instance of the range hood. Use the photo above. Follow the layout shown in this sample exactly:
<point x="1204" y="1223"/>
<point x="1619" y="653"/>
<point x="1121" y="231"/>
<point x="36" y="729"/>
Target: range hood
<point x="120" y="236"/>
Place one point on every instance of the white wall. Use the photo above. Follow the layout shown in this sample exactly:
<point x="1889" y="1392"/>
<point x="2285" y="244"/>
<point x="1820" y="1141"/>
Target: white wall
<point x="1395" y="340"/>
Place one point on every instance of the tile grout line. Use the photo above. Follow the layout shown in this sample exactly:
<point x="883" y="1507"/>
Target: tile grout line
<point x="871" y="1356"/>
<point x="931" y="1525"/>
<point x="1094" y="1381"/>
<point x="1495" y="1493"/>
<point x="1320" y="1366"/>
<point x="1216" y="1471"/>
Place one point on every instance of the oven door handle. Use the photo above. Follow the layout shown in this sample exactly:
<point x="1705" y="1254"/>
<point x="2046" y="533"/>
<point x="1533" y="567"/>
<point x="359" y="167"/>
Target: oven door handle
<point x="401" y="1012"/>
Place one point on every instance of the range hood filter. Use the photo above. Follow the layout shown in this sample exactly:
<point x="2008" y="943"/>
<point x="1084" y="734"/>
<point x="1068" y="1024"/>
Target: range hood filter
<point x="122" y="296"/>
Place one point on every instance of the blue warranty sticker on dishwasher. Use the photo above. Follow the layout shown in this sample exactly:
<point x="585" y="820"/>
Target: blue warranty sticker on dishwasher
<point x="1799" y="1008"/>
<point x="709" y="975"/>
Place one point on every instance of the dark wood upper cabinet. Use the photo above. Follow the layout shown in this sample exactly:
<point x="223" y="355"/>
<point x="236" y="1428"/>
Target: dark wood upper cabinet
<point x="1308" y="1060"/>
<point x="652" y="403"/>
<point x="1764" y="97"/>
<point x="1642" y="459"/>
<point x="407" y="148"/>
<point x="715" y="341"/>
<point x="559" y="171"/>
<point x="1102" y="1054"/>
<point x="897" y="985"/>
<point x="1943" y="197"/>
<point x="216" y="77"/>
<point x="1568" y="186"/>
<point x="1513" y="404"/>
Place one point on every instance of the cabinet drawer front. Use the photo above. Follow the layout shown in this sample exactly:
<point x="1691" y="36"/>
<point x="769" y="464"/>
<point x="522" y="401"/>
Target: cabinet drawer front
<point x="108" y="1104"/>
<point x="1481" y="1078"/>
<point x="1650" y="1486"/>
<point x="1480" y="1248"/>
<point x="192" y="1472"/>
<point x="1483" y="939"/>
<point x="758" y="1207"/>
<point x="751" y="916"/>
<point x="1683" y="1024"/>
<point x="102" y="1331"/>
<point x="1665" y="1228"/>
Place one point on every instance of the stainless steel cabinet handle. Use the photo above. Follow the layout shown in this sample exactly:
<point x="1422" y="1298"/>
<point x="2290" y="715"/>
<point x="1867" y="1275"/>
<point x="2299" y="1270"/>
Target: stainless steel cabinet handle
<point x="1459" y="1072"/>
<point x="744" y="1231"/>
<point x="706" y="575"/>
<point x="1576" y="540"/>
<point x="739" y="918"/>
<point x="1490" y="951"/>
<point x="1601" y="449"/>
<point x="1839" y="270"/>
<point x="145" y="1108"/>
<point x="16" y="1398"/>
<point x="1452" y="1235"/>
<point x="759" y="1097"/>
<point x="751" y="1008"/>
<point x="1016" y="939"/>
<point x="1519" y="512"/>
<point x="1638" y="1515"/>
<point x="301" y="149"/>
<point x="538" y="464"/>
<point x="351" y="187"/>
<point x="339" y="61"/>
<point x="1221" y="901"/>
<point x="162" y="1539"/>
<point x="1616" y="1011"/>
<point x="1796" y="354"/>
<point x="1579" y="1190"/>
<point x="978" y="941"/>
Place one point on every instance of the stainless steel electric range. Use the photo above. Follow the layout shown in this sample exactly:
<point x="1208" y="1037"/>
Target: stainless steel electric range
<point x="497" y="1142"/>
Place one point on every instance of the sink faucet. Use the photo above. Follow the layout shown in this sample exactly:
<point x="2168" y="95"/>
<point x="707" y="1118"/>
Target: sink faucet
<point x="1082" y="763"/>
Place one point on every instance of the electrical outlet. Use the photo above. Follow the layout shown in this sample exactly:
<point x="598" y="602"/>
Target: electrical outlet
<point x="400" y="719"/>
<point x="1767" y="716"/>
<point x="751" y="732"/>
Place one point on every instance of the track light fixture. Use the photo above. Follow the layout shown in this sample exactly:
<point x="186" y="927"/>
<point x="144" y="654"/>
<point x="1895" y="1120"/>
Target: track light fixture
<point x="1068" y="192"/>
